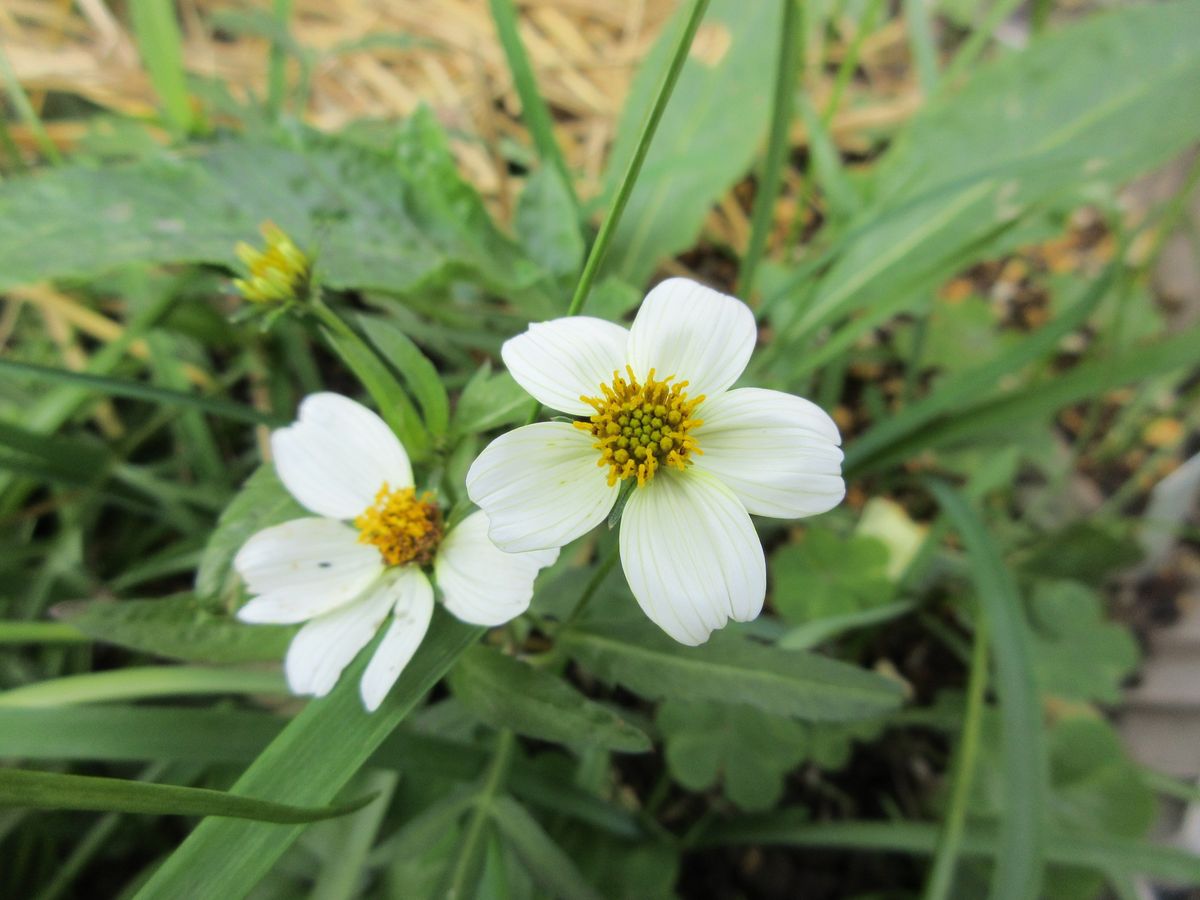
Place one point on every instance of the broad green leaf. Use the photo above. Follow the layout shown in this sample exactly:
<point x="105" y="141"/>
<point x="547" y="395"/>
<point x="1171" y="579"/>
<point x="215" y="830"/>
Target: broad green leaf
<point x="507" y="693"/>
<point x="1018" y="873"/>
<point x="398" y="221"/>
<point x="825" y="575"/>
<point x="962" y="168"/>
<point x="309" y="762"/>
<point x="708" y="136"/>
<point x="550" y="867"/>
<point x="489" y="401"/>
<point x="733" y="669"/>
<point x="55" y="790"/>
<point x="748" y="749"/>
<point x="419" y="373"/>
<point x="181" y="627"/>
<point x="262" y="502"/>
<point x="1077" y="653"/>
<point x="547" y="224"/>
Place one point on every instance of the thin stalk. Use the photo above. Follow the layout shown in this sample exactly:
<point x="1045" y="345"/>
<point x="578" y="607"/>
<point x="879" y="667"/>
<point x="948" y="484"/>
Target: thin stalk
<point x="924" y="51"/>
<point x="144" y="681"/>
<point x="497" y="773"/>
<point x="20" y="102"/>
<point x="533" y="106"/>
<point x="850" y="60"/>
<point x="941" y="876"/>
<point x="604" y="238"/>
<point x="790" y="62"/>
<point x="975" y="44"/>
<point x="277" y="65"/>
<point x="41" y="633"/>
<point x="592" y="586"/>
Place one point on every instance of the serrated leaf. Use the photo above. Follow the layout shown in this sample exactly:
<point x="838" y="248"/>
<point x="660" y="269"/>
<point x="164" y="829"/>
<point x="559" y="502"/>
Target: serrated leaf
<point x="180" y="627"/>
<point x="733" y="669"/>
<point x="397" y="221"/>
<point x="262" y="502"/>
<point x="489" y="401"/>
<point x="749" y="750"/>
<point x="507" y="693"/>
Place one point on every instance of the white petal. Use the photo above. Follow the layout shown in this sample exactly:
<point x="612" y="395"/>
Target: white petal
<point x="540" y="486"/>
<point x="304" y="568"/>
<point x="779" y="453"/>
<point x="412" y="608"/>
<point x="694" y="333"/>
<point x="326" y="645"/>
<point x="561" y="360"/>
<point x="337" y="455"/>
<point x="480" y="583"/>
<point x="691" y="555"/>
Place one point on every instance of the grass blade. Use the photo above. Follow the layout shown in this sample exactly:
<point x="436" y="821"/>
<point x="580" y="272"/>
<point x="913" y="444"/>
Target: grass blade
<point x="54" y="790"/>
<point x="310" y="761"/>
<point x="1018" y="871"/>
<point x="161" y="49"/>
<point x="139" y="682"/>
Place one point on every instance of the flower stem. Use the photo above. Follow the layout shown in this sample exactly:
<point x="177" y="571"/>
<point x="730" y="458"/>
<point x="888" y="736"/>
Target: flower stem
<point x="592" y="586"/>
<point x="941" y="875"/>
<point x="604" y="238"/>
<point x="469" y="849"/>
<point x="791" y="53"/>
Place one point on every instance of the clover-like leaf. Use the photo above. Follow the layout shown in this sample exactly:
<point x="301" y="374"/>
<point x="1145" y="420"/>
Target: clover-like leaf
<point x="826" y="575"/>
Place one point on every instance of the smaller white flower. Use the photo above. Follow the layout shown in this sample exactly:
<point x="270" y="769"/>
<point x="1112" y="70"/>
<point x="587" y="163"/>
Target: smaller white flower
<point x="654" y="409"/>
<point x="342" y="462"/>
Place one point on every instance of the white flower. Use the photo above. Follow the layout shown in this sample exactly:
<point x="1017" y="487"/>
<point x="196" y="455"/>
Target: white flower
<point x="342" y="462"/>
<point x="655" y="408"/>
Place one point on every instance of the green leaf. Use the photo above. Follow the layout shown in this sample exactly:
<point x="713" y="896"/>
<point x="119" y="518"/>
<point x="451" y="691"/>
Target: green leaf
<point x="161" y="49"/>
<point x="181" y="627"/>
<point x="309" y="762"/>
<point x="1112" y="856"/>
<point x="54" y="790"/>
<point x="1018" y="873"/>
<point x="547" y="224"/>
<point x="419" y="373"/>
<point x="708" y="136"/>
<point x="398" y="221"/>
<point x="489" y="401"/>
<point x="507" y="693"/>
<point x="962" y="169"/>
<point x="748" y="749"/>
<point x="1083" y="551"/>
<point x="1077" y="654"/>
<point x="262" y="502"/>
<point x="825" y="575"/>
<point x="137" y="682"/>
<point x="730" y="668"/>
<point x="551" y="868"/>
<point x="812" y="634"/>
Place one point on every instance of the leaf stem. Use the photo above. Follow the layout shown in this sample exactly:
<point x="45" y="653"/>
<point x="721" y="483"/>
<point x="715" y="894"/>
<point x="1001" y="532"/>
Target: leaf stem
<point x="791" y="53"/>
<point x="470" y="846"/>
<point x="946" y="855"/>
<point x="604" y="238"/>
<point x="592" y="586"/>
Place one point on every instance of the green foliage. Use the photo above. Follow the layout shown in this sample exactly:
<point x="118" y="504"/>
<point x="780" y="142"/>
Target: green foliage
<point x="825" y="576"/>
<point x="748" y="749"/>
<point x="507" y="693"/>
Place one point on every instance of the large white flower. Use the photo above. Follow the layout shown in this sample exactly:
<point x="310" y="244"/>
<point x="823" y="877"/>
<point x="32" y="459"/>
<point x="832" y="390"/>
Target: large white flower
<point x="654" y="408"/>
<point x="342" y="462"/>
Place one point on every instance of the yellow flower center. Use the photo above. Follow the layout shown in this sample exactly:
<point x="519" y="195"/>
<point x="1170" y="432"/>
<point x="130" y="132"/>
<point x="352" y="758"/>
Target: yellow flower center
<point x="277" y="273"/>
<point x="642" y="426"/>
<point x="404" y="527"/>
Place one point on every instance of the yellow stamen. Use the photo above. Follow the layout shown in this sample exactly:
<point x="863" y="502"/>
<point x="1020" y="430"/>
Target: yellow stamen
<point x="404" y="527"/>
<point x="277" y="273"/>
<point x="641" y="427"/>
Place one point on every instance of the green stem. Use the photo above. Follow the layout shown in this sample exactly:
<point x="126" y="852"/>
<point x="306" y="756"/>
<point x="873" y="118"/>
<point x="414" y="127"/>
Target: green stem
<point x="470" y="847"/>
<point x="791" y="53"/>
<point x="41" y="633"/>
<point x="139" y="682"/>
<point x="533" y="107"/>
<point x="974" y="45"/>
<point x="277" y="66"/>
<point x="850" y="61"/>
<point x="604" y="238"/>
<point x="20" y="102"/>
<point x="941" y="876"/>
<point x="592" y="586"/>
